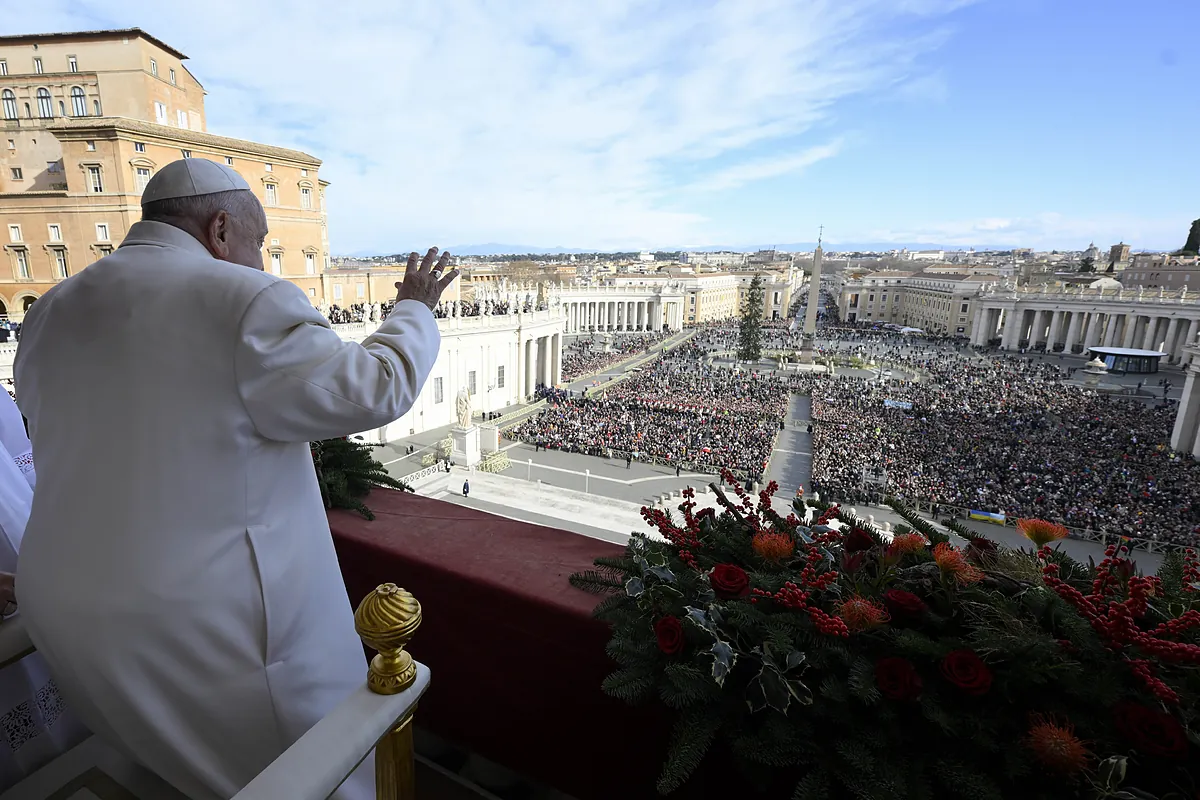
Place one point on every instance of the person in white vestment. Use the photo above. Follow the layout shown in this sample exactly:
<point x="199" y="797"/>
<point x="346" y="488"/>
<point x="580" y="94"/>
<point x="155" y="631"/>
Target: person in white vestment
<point x="35" y="728"/>
<point x="178" y="573"/>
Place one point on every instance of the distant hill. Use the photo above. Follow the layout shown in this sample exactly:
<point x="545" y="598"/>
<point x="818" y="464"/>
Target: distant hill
<point x="499" y="249"/>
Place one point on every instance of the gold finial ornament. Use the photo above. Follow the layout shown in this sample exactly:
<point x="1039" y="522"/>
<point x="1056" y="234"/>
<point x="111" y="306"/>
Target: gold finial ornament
<point x="386" y="620"/>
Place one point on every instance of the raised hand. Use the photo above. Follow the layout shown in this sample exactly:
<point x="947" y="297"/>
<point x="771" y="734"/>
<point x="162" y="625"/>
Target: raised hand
<point x="425" y="283"/>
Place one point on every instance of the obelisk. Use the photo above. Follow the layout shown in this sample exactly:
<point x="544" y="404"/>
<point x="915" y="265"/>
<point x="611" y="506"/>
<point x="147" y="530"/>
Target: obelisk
<point x="810" y="312"/>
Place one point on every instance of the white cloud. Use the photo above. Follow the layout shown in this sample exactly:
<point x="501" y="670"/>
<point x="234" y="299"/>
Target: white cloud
<point x="541" y="122"/>
<point x="1048" y="230"/>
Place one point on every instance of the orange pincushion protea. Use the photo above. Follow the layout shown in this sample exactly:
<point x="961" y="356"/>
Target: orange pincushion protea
<point x="1041" y="532"/>
<point x="1055" y="746"/>
<point x="860" y="614"/>
<point x="953" y="562"/>
<point x="773" y="546"/>
<point x="907" y="543"/>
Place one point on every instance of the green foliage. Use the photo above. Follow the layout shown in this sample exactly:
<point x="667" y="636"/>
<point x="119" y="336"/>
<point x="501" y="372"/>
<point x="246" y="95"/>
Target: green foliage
<point x="1192" y="246"/>
<point x="750" y="337"/>
<point x="346" y="472"/>
<point x="790" y="702"/>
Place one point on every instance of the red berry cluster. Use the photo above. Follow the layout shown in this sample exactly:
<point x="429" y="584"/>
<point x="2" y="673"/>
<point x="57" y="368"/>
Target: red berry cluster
<point x="1116" y="620"/>
<point x="793" y="597"/>
<point x="686" y="539"/>
<point x="797" y="595"/>
<point x="1191" y="570"/>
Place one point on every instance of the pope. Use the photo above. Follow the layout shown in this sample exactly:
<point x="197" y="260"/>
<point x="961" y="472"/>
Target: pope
<point x="177" y="571"/>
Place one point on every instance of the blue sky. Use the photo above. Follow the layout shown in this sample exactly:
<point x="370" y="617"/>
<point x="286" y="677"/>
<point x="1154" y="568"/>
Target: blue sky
<point x="624" y="124"/>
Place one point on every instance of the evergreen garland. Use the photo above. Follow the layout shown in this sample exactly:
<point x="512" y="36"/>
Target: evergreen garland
<point x="858" y="667"/>
<point x="346" y="472"/>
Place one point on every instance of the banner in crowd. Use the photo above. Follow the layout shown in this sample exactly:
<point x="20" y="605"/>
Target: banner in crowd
<point x="901" y="404"/>
<point x="986" y="516"/>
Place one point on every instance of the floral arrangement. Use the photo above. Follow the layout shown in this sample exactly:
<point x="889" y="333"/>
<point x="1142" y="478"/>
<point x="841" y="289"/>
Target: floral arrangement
<point x="820" y="656"/>
<point x="346" y="472"/>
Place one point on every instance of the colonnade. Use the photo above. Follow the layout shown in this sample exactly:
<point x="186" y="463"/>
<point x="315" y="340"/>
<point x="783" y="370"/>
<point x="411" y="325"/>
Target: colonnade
<point x="623" y="315"/>
<point x="539" y="363"/>
<point x="1076" y="328"/>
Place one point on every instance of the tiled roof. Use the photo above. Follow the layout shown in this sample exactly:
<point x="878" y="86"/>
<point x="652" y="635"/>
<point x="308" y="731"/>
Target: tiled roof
<point x="182" y="136"/>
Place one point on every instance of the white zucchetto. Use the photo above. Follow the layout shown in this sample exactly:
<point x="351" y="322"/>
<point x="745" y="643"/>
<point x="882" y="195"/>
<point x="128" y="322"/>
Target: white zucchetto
<point x="192" y="177"/>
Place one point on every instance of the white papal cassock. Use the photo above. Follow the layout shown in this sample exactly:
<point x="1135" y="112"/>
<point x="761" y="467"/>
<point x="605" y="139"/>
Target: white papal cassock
<point x="177" y="571"/>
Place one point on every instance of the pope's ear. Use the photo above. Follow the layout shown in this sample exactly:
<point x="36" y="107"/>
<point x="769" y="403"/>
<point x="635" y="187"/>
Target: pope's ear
<point x="219" y="233"/>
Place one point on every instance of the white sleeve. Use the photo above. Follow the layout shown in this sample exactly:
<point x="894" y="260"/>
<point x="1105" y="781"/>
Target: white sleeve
<point x="14" y="438"/>
<point x="302" y="382"/>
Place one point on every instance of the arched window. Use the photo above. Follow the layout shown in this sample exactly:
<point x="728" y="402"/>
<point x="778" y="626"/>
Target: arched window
<point x="10" y="104"/>
<point x="45" y="107"/>
<point x="78" y="102"/>
<point x="96" y="108"/>
<point x="62" y="109"/>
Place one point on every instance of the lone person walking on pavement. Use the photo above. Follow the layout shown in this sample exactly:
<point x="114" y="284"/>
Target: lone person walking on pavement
<point x="466" y="488"/>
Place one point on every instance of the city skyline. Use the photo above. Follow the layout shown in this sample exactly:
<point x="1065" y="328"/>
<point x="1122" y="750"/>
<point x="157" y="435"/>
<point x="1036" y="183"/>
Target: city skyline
<point x="648" y="126"/>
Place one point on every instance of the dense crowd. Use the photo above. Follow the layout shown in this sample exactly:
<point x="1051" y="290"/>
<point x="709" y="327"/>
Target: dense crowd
<point x="585" y="356"/>
<point x="676" y="410"/>
<point x="1003" y="434"/>
<point x="978" y="430"/>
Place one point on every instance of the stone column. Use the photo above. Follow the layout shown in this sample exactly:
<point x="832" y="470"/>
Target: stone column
<point x="1130" y="330"/>
<point x="1056" y="321"/>
<point x="547" y="361"/>
<point x="556" y="349"/>
<point x="1072" y="332"/>
<point x="1110" y="335"/>
<point x="1189" y="339"/>
<point x="531" y="359"/>
<point x="1013" y="323"/>
<point x="1172" y="331"/>
<point x="1151" y="328"/>
<point x="977" y="325"/>
<point x="1038" y="332"/>
<point x="1095" y="330"/>
<point x="1187" y="417"/>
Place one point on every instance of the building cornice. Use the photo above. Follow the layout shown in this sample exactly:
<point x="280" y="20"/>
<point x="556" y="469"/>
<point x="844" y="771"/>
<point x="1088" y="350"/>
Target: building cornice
<point x="126" y="128"/>
<point x="97" y="34"/>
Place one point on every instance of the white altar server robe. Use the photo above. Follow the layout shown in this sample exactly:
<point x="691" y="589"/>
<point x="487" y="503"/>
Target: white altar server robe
<point x="177" y="571"/>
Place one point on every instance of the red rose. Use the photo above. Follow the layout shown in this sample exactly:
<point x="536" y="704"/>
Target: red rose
<point x="669" y="632"/>
<point x="967" y="671"/>
<point x="858" y="540"/>
<point x="729" y="581"/>
<point x="902" y="604"/>
<point x="897" y="679"/>
<point x="1151" y="731"/>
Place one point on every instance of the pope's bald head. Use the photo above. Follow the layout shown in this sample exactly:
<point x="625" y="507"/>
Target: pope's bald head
<point x="212" y="203"/>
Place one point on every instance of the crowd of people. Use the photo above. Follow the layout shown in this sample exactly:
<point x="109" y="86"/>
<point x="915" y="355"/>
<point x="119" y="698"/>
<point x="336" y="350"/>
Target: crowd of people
<point x="676" y="410"/>
<point x="585" y="356"/>
<point x="375" y="312"/>
<point x="974" y="430"/>
<point x="1004" y="434"/>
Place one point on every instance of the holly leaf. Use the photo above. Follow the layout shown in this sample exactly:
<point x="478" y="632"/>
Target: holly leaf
<point x="697" y="617"/>
<point x="634" y="587"/>
<point x="723" y="660"/>
<point x="800" y="692"/>
<point x="656" y="558"/>
<point x="667" y="591"/>
<point x="795" y="659"/>
<point x="802" y="533"/>
<point x="775" y="689"/>
<point x="663" y="574"/>
<point x="1111" y="772"/>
